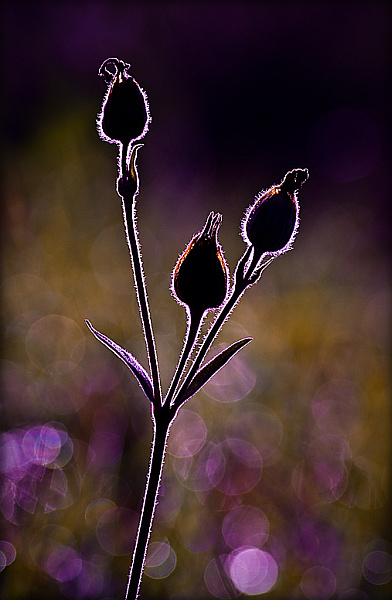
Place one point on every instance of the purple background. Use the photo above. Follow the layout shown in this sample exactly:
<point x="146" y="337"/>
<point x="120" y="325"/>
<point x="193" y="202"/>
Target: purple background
<point x="239" y="94"/>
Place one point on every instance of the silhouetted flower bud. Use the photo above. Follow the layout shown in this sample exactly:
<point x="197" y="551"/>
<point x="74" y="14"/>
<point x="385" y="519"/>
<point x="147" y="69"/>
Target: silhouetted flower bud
<point x="271" y="223"/>
<point x="125" y="112"/>
<point x="200" y="275"/>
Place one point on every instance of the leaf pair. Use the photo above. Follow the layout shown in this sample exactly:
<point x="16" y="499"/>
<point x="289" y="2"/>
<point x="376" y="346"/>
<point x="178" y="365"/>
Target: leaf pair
<point x="203" y="375"/>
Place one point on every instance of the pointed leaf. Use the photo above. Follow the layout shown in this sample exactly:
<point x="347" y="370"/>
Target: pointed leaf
<point x="131" y="362"/>
<point x="213" y="366"/>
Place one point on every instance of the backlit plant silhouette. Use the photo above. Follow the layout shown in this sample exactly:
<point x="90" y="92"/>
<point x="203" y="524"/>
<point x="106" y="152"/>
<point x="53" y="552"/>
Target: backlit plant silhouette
<point x="200" y="282"/>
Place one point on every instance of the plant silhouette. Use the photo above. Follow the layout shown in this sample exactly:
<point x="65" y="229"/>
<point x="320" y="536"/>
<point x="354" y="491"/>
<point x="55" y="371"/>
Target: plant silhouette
<point x="200" y="280"/>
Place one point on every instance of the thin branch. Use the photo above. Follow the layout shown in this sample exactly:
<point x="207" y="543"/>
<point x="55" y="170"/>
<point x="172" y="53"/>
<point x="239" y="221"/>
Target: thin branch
<point x="129" y="213"/>
<point x="194" y="324"/>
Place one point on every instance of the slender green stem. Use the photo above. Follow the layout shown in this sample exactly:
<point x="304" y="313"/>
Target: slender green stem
<point x="194" y="324"/>
<point x="161" y="431"/>
<point x="129" y="212"/>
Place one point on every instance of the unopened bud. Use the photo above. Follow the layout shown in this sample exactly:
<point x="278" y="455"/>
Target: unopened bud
<point x="125" y="113"/>
<point x="271" y="223"/>
<point x="200" y="275"/>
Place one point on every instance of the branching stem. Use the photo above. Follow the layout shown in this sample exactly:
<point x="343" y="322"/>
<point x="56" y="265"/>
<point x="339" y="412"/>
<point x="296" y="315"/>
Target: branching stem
<point x="194" y="324"/>
<point x="238" y="288"/>
<point x="164" y="413"/>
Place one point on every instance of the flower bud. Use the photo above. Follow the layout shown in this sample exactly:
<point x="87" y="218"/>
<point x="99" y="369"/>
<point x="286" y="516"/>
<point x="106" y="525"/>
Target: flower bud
<point x="271" y="223"/>
<point x="200" y="275"/>
<point x="125" y="113"/>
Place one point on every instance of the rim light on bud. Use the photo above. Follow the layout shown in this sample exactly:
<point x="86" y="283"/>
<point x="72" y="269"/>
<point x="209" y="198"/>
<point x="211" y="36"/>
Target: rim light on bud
<point x="271" y="222"/>
<point x="200" y="275"/>
<point x="125" y="114"/>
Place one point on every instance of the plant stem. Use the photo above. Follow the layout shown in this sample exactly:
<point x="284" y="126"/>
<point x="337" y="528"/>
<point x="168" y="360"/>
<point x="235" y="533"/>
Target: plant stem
<point x="161" y="431"/>
<point x="237" y="290"/>
<point x="129" y="213"/>
<point x="194" y="324"/>
<point x="207" y="343"/>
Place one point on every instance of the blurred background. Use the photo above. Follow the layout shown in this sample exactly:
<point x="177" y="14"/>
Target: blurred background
<point x="277" y="480"/>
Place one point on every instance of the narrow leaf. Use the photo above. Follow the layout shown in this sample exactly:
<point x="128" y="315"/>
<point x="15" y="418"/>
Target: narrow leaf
<point x="131" y="362"/>
<point x="213" y="366"/>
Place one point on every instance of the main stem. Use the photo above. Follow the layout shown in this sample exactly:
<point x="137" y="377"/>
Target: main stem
<point x="161" y="431"/>
<point x="129" y="210"/>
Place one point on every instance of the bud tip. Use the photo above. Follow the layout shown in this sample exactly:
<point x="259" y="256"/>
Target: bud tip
<point x="293" y="180"/>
